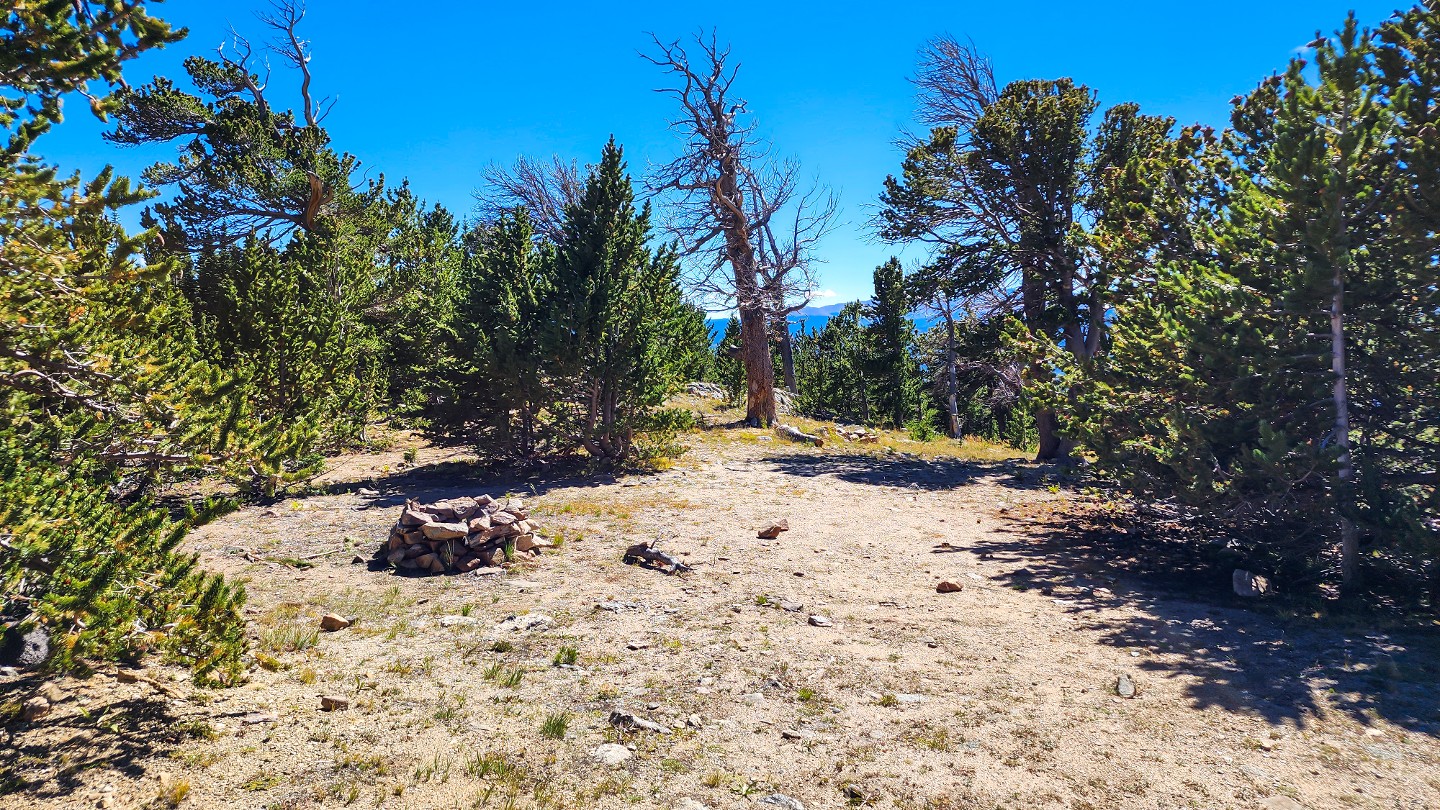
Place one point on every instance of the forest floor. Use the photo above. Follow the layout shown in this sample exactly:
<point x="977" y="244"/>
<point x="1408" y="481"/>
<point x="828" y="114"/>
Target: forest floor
<point x="1002" y="695"/>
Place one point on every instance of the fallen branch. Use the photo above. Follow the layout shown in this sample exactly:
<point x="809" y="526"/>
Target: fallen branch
<point x="797" y="435"/>
<point x="646" y="551"/>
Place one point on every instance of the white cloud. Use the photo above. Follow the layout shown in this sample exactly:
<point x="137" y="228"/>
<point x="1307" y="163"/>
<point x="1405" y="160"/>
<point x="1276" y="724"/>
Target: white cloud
<point x="823" y="294"/>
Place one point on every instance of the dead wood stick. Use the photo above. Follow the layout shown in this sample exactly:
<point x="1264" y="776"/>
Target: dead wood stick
<point x="796" y="434"/>
<point x="647" y="551"/>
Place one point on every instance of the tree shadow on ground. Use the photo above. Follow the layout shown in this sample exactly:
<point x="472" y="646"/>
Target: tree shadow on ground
<point x="913" y="473"/>
<point x="43" y="759"/>
<point x="1282" y="660"/>
<point x="455" y="479"/>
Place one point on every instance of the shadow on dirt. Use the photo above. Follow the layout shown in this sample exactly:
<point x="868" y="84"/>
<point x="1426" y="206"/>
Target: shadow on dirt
<point x="1284" y="661"/>
<point x="44" y="758"/>
<point x="454" y="479"/>
<point x="914" y="473"/>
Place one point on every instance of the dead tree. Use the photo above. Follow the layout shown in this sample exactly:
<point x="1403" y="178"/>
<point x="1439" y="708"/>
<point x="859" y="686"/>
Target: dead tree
<point x="787" y="261"/>
<point x="544" y="189"/>
<point x="724" y="197"/>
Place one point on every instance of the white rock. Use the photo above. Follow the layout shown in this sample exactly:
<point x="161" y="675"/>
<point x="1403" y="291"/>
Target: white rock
<point x="458" y="621"/>
<point x="610" y="754"/>
<point x="782" y="801"/>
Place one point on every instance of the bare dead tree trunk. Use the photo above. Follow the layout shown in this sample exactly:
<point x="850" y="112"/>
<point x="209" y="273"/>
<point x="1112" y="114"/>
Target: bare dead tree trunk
<point x="787" y="357"/>
<point x="726" y="192"/>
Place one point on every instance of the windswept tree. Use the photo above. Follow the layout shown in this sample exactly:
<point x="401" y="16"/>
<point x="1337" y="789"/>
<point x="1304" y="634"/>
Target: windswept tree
<point x="1009" y="175"/>
<point x="727" y="202"/>
<point x="259" y="185"/>
<point x="98" y="384"/>
<point x="246" y="166"/>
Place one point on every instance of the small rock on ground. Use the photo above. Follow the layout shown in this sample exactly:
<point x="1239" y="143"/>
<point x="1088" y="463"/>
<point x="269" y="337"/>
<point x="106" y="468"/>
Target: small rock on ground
<point x="949" y="587"/>
<point x="1125" y="687"/>
<point x="333" y="703"/>
<point x="782" y="801"/>
<point x="610" y="754"/>
<point x="34" y="708"/>
<point x="821" y="621"/>
<point x="331" y="622"/>
<point x="520" y="624"/>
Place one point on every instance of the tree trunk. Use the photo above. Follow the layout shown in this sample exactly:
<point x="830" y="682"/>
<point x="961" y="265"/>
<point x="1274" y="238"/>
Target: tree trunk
<point x="759" y="371"/>
<point x="952" y="386"/>
<point x="1052" y="446"/>
<point x="1345" y="490"/>
<point x="787" y="356"/>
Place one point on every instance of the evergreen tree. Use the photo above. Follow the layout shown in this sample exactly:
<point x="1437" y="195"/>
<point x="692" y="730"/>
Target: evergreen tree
<point x="832" y="367"/>
<point x="357" y="280"/>
<point x="617" y="315"/>
<point x="729" y="370"/>
<point x="1029" y="183"/>
<point x="890" y="361"/>
<point x="507" y="283"/>
<point x="98" y="390"/>
<point x="1280" y="381"/>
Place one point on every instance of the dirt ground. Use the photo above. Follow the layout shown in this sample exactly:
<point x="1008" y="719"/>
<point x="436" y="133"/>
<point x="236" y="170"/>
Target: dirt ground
<point x="1003" y="695"/>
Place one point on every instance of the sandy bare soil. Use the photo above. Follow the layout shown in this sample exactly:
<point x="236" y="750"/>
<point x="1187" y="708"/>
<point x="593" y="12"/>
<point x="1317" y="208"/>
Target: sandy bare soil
<point x="1002" y="695"/>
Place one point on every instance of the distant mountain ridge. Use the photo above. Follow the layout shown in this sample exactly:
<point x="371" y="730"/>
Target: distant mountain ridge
<point x="813" y="318"/>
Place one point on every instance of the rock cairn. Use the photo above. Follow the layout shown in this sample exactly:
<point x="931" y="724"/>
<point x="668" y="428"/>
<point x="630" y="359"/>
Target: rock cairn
<point x="461" y="535"/>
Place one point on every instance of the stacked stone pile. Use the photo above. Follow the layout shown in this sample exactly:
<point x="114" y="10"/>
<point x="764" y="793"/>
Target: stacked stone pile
<point x="461" y="534"/>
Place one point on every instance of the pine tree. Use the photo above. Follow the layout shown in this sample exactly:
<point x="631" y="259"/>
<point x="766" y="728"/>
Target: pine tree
<point x="729" y="370"/>
<point x="617" y="316"/>
<point x="890" y="362"/>
<point x="1280" y="381"/>
<point x="833" y="367"/>
<point x="99" y="390"/>
<point x="501" y="325"/>
<point x="357" y="279"/>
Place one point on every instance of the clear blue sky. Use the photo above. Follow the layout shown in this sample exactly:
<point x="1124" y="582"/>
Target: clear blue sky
<point x="434" y="90"/>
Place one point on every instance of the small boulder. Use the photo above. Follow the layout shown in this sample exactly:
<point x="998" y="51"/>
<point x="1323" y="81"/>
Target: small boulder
<point x="821" y="621"/>
<point x="333" y="703"/>
<point x="773" y="530"/>
<point x="52" y="692"/>
<point x="782" y="801"/>
<point x="331" y="622"/>
<point x="610" y="754"/>
<point x="949" y="587"/>
<point x="1125" y="687"/>
<point x="414" y="517"/>
<point x="1248" y="585"/>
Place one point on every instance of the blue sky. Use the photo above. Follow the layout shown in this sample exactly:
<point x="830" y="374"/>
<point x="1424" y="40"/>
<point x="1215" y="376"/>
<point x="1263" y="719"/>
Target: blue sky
<point x="434" y="90"/>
